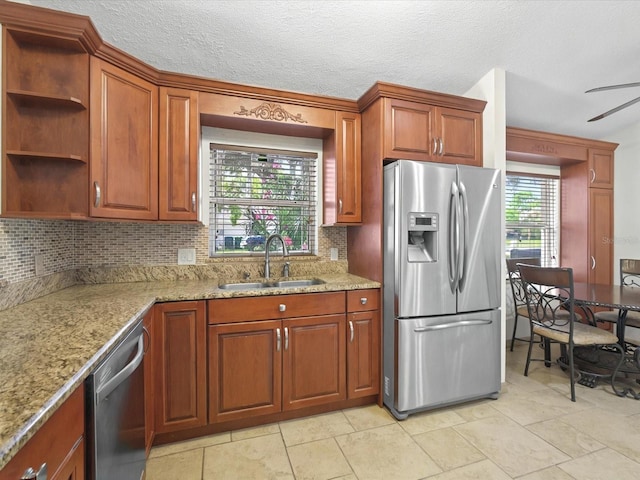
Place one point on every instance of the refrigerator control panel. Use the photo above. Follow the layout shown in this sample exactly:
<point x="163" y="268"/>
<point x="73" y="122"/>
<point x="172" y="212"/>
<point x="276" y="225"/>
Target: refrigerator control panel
<point x="424" y="222"/>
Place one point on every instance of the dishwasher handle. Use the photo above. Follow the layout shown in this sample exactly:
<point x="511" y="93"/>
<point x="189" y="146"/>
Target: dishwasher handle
<point x="442" y="326"/>
<point x="104" y="390"/>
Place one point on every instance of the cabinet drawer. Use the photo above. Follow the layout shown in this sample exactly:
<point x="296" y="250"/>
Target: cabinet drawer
<point x="228" y="310"/>
<point x="362" y="300"/>
<point x="53" y="442"/>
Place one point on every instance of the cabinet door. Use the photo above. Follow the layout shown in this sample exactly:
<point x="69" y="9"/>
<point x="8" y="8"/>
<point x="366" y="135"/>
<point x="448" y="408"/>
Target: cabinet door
<point x="348" y="178"/>
<point x="179" y="345"/>
<point x="408" y="130"/>
<point x="363" y="353"/>
<point x="600" y="168"/>
<point x="178" y="154"/>
<point x="73" y="467"/>
<point x="460" y="136"/>
<point x="149" y="394"/>
<point x="245" y="367"/>
<point x="601" y="235"/>
<point x="124" y="144"/>
<point x="314" y="363"/>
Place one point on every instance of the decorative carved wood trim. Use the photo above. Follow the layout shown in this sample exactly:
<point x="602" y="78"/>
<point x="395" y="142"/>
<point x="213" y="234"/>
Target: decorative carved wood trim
<point x="270" y="111"/>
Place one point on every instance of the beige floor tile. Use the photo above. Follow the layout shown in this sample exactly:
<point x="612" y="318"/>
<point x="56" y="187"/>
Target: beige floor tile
<point x="484" y="469"/>
<point x="476" y="410"/>
<point x="192" y="444"/>
<point x="431" y="420"/>
<point x="260" y="458"/>
<point x="371" y="416"/>
<point x="255" y="432"/>
<point x="551" y="473"/>
<point x="319" y="460"/>
<point x="619" y="432"/>
<point x="313" y="428"/>
<point x="448" y="448"/>
<point x="602" y="464"/>
<point x="564" y="437"/>
<point x="511" y="446"/>
<point x="185" y="465"/>
<point x="386" y="453"/>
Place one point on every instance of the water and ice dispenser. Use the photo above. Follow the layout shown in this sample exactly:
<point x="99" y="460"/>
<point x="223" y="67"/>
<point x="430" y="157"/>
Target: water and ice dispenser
<point x="422" y="237"/>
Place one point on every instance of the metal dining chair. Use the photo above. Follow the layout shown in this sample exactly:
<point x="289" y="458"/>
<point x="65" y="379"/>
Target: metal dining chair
<point x="519" y="300"/>
<point x="551" y="307"/>
<point x="630" y="277"/>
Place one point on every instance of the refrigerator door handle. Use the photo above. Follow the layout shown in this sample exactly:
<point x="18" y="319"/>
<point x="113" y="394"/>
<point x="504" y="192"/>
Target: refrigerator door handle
<point x="462" y="260"/>
<point x="443" y="326"/>
<point x="454" y="237"/>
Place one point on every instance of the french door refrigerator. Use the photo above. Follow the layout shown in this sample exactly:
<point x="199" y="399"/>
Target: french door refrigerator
<point x="442" y="273"/>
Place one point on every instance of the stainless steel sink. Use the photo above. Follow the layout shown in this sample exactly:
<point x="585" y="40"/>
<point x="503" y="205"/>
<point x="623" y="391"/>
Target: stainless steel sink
<point x="245" y="285"/>
<point x="279" y="284"/>
<point x="298" y="283"/>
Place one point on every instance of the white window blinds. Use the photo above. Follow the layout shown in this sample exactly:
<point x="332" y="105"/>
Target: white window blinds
<point x="254" y="193"/>
<point x="532" y="215"/>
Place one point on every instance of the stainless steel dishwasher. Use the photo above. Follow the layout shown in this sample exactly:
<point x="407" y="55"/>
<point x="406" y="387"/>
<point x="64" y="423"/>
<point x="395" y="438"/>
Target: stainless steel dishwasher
<point x="115" y="412"/>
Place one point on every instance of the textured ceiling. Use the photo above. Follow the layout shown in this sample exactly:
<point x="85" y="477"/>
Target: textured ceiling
<point x="552" y="51"/>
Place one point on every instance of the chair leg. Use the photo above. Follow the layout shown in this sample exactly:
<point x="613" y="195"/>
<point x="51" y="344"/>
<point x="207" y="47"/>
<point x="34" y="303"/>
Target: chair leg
<point x="526" y="367"/>
<point x="515" y="326"/>
<point x="547" y="352"/>
<point x="572" y="373"/>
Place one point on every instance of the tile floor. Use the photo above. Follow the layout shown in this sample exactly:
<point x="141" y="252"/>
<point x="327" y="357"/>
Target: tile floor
<point x="533" y="431"/>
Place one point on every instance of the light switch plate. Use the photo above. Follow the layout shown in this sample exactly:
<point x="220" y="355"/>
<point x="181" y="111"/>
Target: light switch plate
<point x="334" y="253"/>
<point x="186" y="256"/>
<point x="39" y="260"/>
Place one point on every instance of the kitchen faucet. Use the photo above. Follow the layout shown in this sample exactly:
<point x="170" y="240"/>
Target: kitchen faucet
<point x="285" y="255"/>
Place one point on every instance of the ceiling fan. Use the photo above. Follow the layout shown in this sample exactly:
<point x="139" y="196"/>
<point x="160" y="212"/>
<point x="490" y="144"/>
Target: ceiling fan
<point x="619" y="107"/>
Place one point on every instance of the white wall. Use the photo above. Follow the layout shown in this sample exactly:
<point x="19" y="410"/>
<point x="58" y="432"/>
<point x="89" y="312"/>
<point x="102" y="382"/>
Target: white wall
<point x="626" y="201"/>
<point x="491" y="88"/>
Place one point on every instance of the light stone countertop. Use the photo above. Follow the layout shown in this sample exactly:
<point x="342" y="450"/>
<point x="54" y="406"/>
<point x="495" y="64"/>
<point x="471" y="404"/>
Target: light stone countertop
<point x="48" y="346"/>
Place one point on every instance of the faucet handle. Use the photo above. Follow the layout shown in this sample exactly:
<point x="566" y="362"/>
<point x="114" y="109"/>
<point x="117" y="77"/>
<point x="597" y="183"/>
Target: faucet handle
<point x="285" y="269"/>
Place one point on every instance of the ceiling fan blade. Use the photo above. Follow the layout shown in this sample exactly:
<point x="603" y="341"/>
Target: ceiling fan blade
<point x="614" y="87"/>
<point x="614" y="110"/>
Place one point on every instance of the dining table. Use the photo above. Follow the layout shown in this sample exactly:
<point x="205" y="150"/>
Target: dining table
<point x="596" y="363"/>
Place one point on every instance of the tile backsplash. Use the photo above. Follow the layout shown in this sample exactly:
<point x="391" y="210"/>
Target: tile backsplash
<point x="67" y="245"/>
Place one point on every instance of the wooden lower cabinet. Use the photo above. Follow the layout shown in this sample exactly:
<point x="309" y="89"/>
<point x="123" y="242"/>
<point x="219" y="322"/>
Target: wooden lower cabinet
<point x="179" y="350"/>
<point x="264" y="367"/>
<point x="149" y="393"/>
<point x="59" y="444"/>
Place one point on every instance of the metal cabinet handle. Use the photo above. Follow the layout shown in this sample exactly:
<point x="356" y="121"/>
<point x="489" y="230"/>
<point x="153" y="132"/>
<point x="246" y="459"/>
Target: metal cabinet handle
<point x="593" y="262"/>
<point x="278" y="339"/>
<point x="435" y="146"/>
<point x="363" y="300"/>
<point x="31" y="474"/>
<point x="96" y="187"/>
<point x="351" y="331"/>
<point x="193" y="202"/>
<point x="441" y="149"/>
<point x="286" y="338"/>
<point x="147" y="334"/>
<point x="340" y="206"/>
<point x="282" y="307"/>
<point x="593" y="175"/>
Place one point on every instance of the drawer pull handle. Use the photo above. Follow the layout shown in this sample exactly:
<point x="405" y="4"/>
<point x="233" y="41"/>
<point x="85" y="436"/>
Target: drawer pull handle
<point x="363" y="300"/>
<point x="278" y="339"/>
<point x="351" y="330"/>
<point x="282" y="307"/>
<point x="286" y="338"/>
<point x="31" y="474"/>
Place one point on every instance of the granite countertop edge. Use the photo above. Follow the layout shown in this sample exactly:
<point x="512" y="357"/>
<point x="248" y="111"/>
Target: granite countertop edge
<point x="34" y="321"/>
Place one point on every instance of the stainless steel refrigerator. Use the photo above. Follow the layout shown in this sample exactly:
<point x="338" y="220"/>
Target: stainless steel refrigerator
<point x="442" y="271"/>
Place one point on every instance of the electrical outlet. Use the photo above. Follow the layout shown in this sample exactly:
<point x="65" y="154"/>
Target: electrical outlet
<point x="39" y="260"/>
<point x="334" y="253"/>
<point x="186" y="256"/>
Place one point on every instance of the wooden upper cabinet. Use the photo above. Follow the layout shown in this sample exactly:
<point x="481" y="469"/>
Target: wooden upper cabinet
<point x="124" y="144"/>
<point x="45" y="125"/>
<point x="600" y="168"/>
<point x="418" y="131"/>
<point x="178" y="154"/>
<point x="342" y="201"/>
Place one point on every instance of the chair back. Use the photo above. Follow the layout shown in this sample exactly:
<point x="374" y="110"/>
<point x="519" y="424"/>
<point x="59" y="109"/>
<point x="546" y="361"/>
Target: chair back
<point x="519" y="299"/>
<point x="550" y="296"/>
<point x="629" y="272"/>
